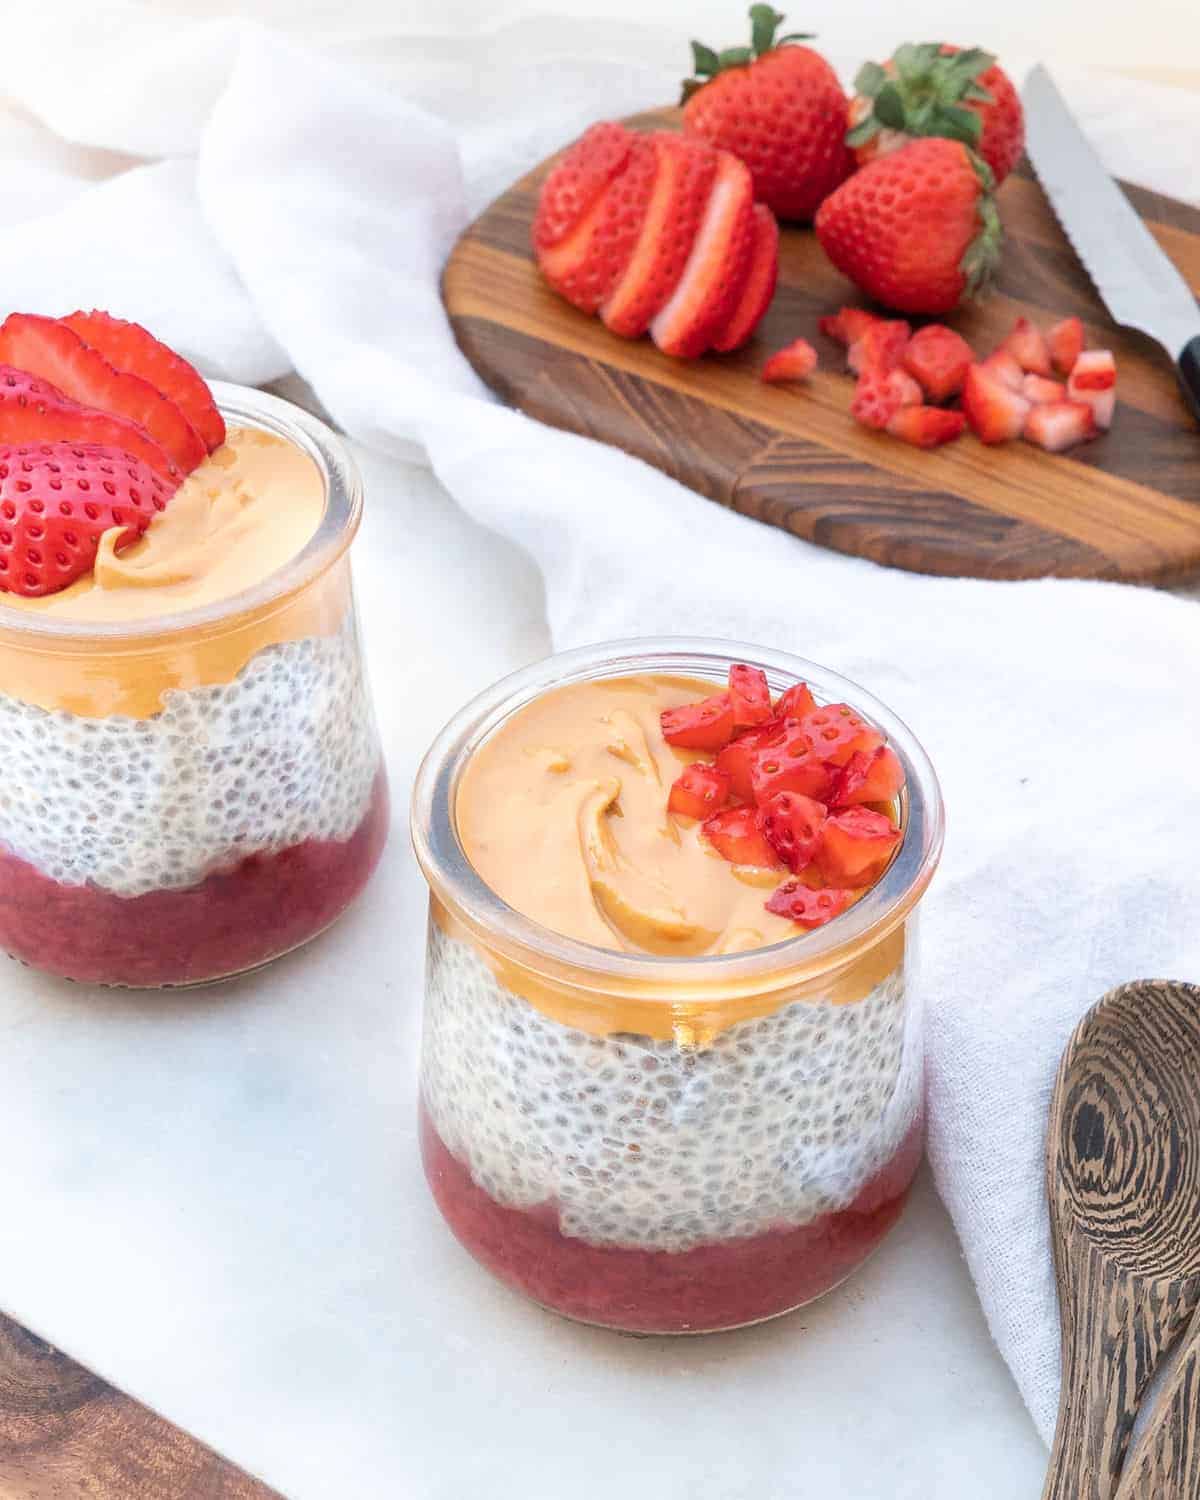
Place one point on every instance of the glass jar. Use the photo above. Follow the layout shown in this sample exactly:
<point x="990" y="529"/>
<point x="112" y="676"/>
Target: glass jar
<point x="189" y="796"/>
<point x="661" y="1144"/>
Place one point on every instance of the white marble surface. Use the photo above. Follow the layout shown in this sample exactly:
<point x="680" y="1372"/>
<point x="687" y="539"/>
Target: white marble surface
<point x="215" y="1200"/>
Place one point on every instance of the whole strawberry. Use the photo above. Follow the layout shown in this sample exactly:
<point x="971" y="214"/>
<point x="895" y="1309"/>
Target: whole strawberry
<point x="778" y="106"/>
<point x="916" y="229"/>
<point x="932" y="88"/>
<point x="58" y="499"/>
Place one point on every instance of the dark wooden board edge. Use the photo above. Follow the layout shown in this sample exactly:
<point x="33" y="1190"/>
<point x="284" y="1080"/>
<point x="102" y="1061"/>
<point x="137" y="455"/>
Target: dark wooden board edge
<point x="65" y="1432"/>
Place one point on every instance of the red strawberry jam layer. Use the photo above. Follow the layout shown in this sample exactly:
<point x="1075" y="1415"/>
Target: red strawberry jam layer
<point x="233" y="920"/>
<point x="725" y="1284"/>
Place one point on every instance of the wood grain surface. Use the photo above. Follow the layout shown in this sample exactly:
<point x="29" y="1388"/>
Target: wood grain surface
<point x="1123" y="1182"/>
<point x="64" y="1432"/>
<point x="1125" y="506"/>
<point x="1165" y="1464"/>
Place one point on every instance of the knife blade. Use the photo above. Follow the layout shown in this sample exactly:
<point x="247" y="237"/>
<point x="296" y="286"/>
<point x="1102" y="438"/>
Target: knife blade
<point x="1136" y="278"/>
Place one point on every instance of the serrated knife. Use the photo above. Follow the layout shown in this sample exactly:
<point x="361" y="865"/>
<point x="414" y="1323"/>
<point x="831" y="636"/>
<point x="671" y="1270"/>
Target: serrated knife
<point x="1139" y="284"/>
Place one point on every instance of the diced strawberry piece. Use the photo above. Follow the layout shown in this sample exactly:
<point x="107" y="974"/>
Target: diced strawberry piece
<point x="848" y="325"/>
<point x="856" y="846"/>
<point x="1101" y="404"/>
<point x="869" y="776"/>
<point x="880" y="347"/>
<point x="737" y="759"/>
<point x="750" y="695"/>
<point x="759" y="286"/>
<point x="577" y="180"/>
<point x="1065" y="342"/>
<point x="57" y="500"/>
<point x="1003" y="366"/>
<point x="807" y="907"/>
<point x="52" y="351"/>
<point x="792" y="824"/>
<point x="1094" y="370"/>
<point x="1059" y="425"/>
<point x="1027" y="345"/>
<point x="879" y="395"/>
<point x="1039" y="390"/>
<point x="795" y="361"/>
<point x="686" y="169"/>
<point x="698" y="791"/>
<point x="791" y="763"/>
<point x="736" y="836"/>
<point x="938" y="359"/>
<point x="837" y="733"/>
<point x="34" y="411"/>
<point x="717" y="268"/>
<point x="707" y="725"/>
<point x="795" y="702"/>
<point x="926" y="426"/>
<point x="586" y="265"/>
<point x="993" y="411"/>
<point x="129" y="347"/>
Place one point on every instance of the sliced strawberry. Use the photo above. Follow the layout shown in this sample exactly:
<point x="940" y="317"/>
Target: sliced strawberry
<point x="130" y="348"/>
<point x="577" y="180"/>
<point x="856" y="846"/>
<point x="869" y="776"/>
<point x="707" y="725"/>
<point x="737" y="759"/>
<point x="58" y="499"/>
<point x="938" y="359"/>
<point x="792" y="825"/>
<point x="807" y="907"/>
<point x="681" y="189"/>
<point x="993" y="411"/>
<point x="1065" y="342"/>
<point x="879" y="395"/>
<point x="795" y="361"/>
<point x="34" y="411"/>
<point x="1101" y="404"/>
<point x="1094" y="370"/>
<point x="716" y="270"/>
<point x="586" y="265"/>
<point x="1059" y="425"/>
<point x="926" y="426"/>
<point x="848" y="325"/>
<point x="736" y="836"/>
<point x="796" y="702"/>
<point x="1028" y="347"/>
<point x="56" y="353"/>
<point x="699" y="791"/>
<point x="1004" y="366"/>
<point x="750" y="696"/>
<point x="759" y="286"/>
<point x="1039" y="390"/>
<point x="838" y="732"/>
<point x="879" y="347"/>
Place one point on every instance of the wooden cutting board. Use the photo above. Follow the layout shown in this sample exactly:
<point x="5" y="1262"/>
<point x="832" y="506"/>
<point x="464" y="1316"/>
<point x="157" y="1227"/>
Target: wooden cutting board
<point x="1126" y="506"/>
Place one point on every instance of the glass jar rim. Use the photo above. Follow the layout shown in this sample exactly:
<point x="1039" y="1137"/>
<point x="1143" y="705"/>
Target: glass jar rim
<point x="453" y="880"/>
<point x="241" y="406"/>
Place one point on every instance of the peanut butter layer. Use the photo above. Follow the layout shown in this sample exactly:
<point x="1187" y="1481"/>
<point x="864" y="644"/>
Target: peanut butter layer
<point x="563" y="812"/>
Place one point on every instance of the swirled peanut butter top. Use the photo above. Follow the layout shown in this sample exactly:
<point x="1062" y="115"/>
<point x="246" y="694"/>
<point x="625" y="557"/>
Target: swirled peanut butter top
<point x="563" y="812"/>
<point x="243" y="513"/>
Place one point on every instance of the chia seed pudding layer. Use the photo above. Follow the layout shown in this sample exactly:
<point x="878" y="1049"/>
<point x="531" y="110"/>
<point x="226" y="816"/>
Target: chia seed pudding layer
<point x="644" y="1144"/>
<point x="284" y="754"/>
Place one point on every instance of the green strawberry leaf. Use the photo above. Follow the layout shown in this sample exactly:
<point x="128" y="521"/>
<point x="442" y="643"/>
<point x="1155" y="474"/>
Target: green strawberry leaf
<point x="973" y="61"/>
<point x="795" y="36"/>
<point x="734" y="57"/>
<point x="866" y="130"/>
<point x="869" y="79"/>
<point x="764" y="22"/>
<point x="977" y="93"/>
<point x="959" y="124"/>
<point x="704" y="60"/>
<point x="889" y="107"/>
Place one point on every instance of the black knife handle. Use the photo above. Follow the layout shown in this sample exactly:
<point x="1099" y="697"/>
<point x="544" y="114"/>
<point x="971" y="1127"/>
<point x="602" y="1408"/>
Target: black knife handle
<point x="1189" y="373"/>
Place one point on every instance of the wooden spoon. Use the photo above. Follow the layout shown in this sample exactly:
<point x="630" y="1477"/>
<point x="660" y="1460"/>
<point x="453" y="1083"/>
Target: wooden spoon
<point x="1165" y="1462"/>
<point x="1123" y="1180"/>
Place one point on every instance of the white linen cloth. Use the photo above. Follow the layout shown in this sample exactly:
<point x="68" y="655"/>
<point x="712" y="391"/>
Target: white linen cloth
<point x="263" y="209"/>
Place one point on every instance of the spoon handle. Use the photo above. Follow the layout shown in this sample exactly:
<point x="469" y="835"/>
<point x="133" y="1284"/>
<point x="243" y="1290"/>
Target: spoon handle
<point x="1165" y="1462"/>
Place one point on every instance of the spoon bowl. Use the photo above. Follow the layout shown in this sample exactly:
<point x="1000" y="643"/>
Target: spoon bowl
<point x="1123" y="1182"/>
